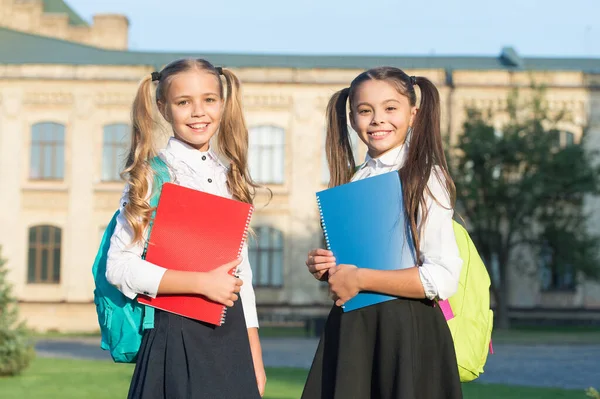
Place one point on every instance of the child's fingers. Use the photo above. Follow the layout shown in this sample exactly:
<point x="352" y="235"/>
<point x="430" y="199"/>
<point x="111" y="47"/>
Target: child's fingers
<point x="228" y="266"/>
<point x="322" y="259"/>
<point x="320" y="252"/>
<point x="320" y="267"/>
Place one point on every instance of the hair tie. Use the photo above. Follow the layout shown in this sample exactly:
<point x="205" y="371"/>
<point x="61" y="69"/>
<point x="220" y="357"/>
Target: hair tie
<point x="413" y="80"/>
<point x="219" y="70"/>
<point x="155" y="76"/>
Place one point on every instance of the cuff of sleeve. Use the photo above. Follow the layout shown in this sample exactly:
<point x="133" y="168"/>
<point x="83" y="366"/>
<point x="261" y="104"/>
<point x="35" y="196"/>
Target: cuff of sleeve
<point x="251" y="316"/>
<point x="149" y="283"/>
<point x="431" y="291"/>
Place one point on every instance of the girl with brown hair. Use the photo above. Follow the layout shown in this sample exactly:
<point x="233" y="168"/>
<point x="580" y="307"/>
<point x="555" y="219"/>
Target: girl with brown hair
<point x="399" y="349"/>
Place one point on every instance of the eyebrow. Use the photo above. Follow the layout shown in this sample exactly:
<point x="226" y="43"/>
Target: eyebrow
<point x="189" y="96"/>
<point x="386" y="101"/>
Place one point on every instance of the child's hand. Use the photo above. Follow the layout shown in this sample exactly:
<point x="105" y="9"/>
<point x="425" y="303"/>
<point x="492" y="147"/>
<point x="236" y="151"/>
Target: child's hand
<point x="343" y="283"/>
<point x="261" y="379"/>
<point x="318" y="262"/>
<point x="219" y="286"/>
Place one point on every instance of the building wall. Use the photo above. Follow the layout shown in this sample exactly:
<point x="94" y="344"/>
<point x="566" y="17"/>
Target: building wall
<point x="85" y="98"/>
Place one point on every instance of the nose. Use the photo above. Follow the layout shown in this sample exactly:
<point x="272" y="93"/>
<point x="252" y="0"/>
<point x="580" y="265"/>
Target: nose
<point x="198" y="109"/>
<point x="378" y="118"/>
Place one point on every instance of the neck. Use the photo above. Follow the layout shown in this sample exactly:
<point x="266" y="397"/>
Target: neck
<point x="200" y="147"/>
<point x="375" y="156"/>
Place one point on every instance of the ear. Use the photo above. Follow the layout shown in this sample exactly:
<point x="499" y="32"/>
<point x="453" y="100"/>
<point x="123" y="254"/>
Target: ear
<point x="413" y="115"/>
<point x="163" y="110"/>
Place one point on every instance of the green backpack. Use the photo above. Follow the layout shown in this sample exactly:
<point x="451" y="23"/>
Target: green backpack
<point x="468" y="311"/>
<point x="122" y="320"/>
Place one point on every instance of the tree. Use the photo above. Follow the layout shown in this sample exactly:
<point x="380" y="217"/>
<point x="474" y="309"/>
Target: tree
<point x="16" y="350"/>
<point x="524" y="186"/>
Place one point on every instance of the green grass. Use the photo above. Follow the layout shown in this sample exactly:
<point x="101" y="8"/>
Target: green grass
<point x="70" y="379"/>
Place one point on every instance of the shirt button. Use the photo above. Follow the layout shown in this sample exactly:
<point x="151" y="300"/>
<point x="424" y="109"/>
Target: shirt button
<point x="210" y="180"/>
<point x="204" y="157"/>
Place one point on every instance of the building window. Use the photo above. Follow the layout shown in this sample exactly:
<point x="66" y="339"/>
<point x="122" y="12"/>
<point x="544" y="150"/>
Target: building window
<point x="563" y="138"/>
<point x="47" y="151"/>
<point x="265" y="250"/>
<point x="43" y="263"/>
<point x="267" y="154"/>
<point x="114" y="150"/>
<point x="324" y="165"/>
<point x="554" y="276"/>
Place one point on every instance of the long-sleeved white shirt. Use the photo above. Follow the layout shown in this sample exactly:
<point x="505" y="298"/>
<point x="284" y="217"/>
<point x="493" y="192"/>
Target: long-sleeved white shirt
<point x="133" y="275"/>
<point x="440" y="260"/>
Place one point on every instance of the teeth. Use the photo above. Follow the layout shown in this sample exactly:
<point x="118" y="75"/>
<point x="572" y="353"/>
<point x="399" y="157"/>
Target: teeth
<point x="199" y="125"/>
<point x="379" y="134"/>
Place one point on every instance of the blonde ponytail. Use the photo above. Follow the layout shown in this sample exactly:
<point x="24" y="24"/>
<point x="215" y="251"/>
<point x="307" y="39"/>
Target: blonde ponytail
<point x="137" y="169"/>
<point x="232" y="141"/>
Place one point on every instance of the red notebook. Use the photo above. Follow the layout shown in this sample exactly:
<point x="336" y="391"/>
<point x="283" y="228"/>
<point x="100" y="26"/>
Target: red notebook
<point x="195" y="231"/>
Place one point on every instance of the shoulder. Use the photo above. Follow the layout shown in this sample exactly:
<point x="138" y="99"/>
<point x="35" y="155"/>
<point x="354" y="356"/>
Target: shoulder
<point x="437" y="187"/>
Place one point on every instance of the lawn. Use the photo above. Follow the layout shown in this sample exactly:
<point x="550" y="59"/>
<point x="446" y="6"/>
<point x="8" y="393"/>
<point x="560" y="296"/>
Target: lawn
<point x="70" y="379"/>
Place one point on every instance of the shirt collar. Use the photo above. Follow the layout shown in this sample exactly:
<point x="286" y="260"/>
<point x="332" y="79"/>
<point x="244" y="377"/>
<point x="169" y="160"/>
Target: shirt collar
<point x="393" y="158"/>
<point x="188" y="154"/>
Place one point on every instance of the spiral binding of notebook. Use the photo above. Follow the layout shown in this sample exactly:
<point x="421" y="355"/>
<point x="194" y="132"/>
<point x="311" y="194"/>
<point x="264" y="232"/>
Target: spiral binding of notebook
<point x="323" y="226"/>
<point x="243" y="241"/>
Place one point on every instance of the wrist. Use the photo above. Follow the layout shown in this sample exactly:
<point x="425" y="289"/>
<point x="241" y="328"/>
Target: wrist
<point x="198" y="283"/>
<point x="361" y="279"/>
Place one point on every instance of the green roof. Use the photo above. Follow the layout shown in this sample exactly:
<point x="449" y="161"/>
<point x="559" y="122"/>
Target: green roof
<point x="24" y="48"/>
<point x="60" y="7"/>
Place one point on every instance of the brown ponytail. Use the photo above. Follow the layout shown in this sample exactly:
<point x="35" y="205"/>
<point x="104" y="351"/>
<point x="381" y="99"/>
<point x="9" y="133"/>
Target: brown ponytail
<point x="337" y="145"/>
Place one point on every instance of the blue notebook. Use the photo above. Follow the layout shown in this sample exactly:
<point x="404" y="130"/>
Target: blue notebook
<point x="364" y="225"/>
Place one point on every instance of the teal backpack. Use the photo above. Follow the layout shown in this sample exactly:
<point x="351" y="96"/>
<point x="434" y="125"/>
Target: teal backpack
<point x="123" y="320"/>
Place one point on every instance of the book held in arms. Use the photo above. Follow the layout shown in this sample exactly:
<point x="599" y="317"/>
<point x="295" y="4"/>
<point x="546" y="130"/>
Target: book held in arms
<point x="364" y="225"/>
<point x="195" y="231"/>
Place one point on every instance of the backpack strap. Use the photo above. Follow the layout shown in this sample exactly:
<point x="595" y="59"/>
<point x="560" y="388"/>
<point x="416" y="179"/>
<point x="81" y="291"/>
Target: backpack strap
<point x="161" y="176"/>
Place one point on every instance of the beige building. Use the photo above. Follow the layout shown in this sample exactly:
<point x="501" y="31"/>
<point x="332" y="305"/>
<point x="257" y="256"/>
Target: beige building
<point x="65" y="93"/>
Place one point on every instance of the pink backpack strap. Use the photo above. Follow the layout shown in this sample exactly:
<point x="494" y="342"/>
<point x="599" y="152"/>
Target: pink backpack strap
<point x="446" y="309"/>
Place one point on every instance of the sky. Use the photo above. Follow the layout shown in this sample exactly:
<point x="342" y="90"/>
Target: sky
<point x="549" y="28"/>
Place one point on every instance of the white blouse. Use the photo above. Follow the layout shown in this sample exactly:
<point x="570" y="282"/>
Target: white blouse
<point x="131" y="274"/>
<point x="441" y="262"/>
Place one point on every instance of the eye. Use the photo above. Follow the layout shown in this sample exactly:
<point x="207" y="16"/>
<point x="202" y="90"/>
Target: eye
<point x="183" y="102"/>
<point x="211" y="100"/>
<point x="364" y="111"/>
<point x="390" y="108"/>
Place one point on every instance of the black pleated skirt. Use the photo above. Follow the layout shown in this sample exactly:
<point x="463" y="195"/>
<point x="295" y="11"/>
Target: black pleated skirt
<point x="400" y="349"/>
<point x="181" y="358"/>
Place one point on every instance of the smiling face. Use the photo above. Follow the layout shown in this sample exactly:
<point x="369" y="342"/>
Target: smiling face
<point x="193" y="106"/>
<point x="381" y="115"/>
